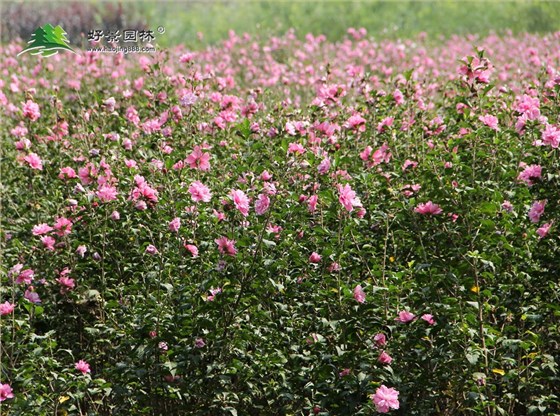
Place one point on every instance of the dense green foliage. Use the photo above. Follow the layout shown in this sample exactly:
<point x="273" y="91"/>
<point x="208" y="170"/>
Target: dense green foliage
<point x="389" y="168"/>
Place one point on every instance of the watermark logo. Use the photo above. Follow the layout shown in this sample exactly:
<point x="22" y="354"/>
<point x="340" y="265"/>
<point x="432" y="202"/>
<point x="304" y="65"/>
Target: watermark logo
<point x="126" y="41"/>
<point x="47" y="41"/>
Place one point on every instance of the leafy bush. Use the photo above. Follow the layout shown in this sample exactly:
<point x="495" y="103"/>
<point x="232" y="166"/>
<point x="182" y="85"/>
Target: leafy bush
<point x="282" y="227"/>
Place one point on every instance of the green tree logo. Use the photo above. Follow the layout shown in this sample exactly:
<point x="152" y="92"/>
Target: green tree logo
<point x="47" y="41"/>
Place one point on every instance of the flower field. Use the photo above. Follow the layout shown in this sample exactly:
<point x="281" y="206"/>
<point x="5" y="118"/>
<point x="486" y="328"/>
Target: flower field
<point x="282" y="227"/>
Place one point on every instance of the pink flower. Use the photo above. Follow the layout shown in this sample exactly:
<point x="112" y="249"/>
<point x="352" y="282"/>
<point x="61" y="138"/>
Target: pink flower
<point x="312" y="203"/>
<point x="344" y="372"/>
<point x="213" y="293"/>
<point x="67" y="173"/>
<point x="386" y="122"/>
<point x="219" y="215"/>
<point x="324" y="166"/>
<point x="409" y="164"/>
<point x="185" y="58"/>
<point x="179" y="165"/>
<point x="226" y="246"/>
<point x="16" y="268"/>
<point x="334" y="267"/>
<point x="6" y="308"/>
<point x="398" y="97"/>
<point x="199" y="343"/>
<point x="23" y="144"/>
<point x="262" y="204"/>
<point x="266" y="176"/>
<point x="63" y="226"/>
<point x="106" y="193"/>
<point x="31" y="110"/>
<point x="34" y="161"/>
<point x="428" y="318"/>
<point x="537" y="209"/>
<point x="405" y="317"/>
<point x="384" y="358"/>
<point x="476" y="69"/>
<point x="131" y="164"/>
<point x="191" y="209"/>
<point x="175" y="224"/>
<point x="314" y="257"/>
<point x="347" y="197"/>
<point x="157" y="164"/>
<point x="270" y="188"/>
<point x="381" y="155"/>
<point x="115" y="216"/>
<point x="356" y="122"/>
<point x="151" y="250"/>
<point x="380" y="339"/>
<point x="192" y="249"/>
<point x="241" y="201"/>
<point x="366" y="153"/>
<point x="429" y="208"/>
<point x="141" y="205"/>
<point x="87" y="173"/>
<point x="32" y="296"/>
<point x="67" y="283"/>
<point x="41" y="229"/>
<point x="359" y="294"/>
<point x="530" y="174"/>
<point x="490" y="121"/>
<point x="109" y="104"/>
<point x="296" y="148"/>
<point x="127" y="144"/>
<point x="83" y="367"/>
<point x="81" y="251"/>
<point x="200" y="192"/>
<point x="274" y="229"/>
<point x="507" y="206"/>
<point x="198" y="159"/>
<point x="25" y="277"/>
<point x="551" y="136"/>
<point x="189" y="98"/>
<point x="132" y="115"/>
<point x="48" y="242"/>
<point x="410" y="190"/>
<point x="143" y="190"/>
<point x="385" y="399"/>
<point x="526" y="103"/>
<point x="543" y="231"/>
<point x="6" y="392"/>
<point x="19" y="131"/>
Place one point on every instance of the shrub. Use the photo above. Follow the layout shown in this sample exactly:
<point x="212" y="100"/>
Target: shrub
<point x="283" y="227"/>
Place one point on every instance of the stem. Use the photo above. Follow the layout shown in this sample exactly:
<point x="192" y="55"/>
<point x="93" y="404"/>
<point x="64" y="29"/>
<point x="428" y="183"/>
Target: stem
<point x="338" y="274"/>
<point x="383" y="282"/>
<point x="480" y="319"/>
<point x="103" y="282"/>
<point x="246" y="277"/>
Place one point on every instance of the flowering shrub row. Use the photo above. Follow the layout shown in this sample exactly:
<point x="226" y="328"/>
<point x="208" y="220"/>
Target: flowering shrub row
<point x="282" y="227"/>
